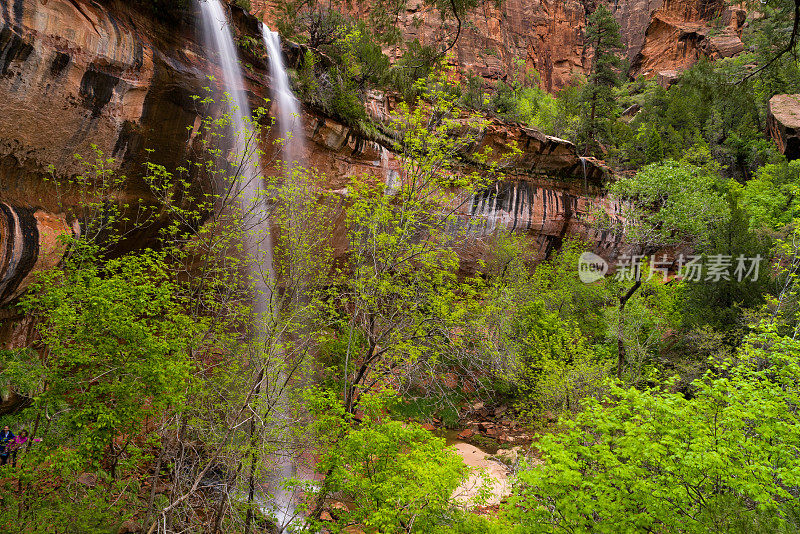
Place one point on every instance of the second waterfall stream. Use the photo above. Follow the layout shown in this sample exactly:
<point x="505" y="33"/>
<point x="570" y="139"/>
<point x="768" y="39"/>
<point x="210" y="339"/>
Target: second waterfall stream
<point x="290" y="128"/>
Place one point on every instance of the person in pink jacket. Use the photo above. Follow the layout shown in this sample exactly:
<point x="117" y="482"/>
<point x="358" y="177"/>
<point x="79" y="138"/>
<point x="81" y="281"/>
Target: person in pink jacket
<point x="15" y="445"/>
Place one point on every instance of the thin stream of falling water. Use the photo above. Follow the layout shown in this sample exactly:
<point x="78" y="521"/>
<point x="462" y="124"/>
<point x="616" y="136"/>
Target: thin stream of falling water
<point x="585" y="184"/>
<point x="255" y="221"/>
<point x="292" y="136"/>
<point x="256" y="236"/>
<point x="290" y="127"/>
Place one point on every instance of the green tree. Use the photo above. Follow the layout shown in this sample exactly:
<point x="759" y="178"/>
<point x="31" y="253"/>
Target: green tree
<point x="770" y="198"/>
<point x="548" y="326"/>
<point x="669" y="204"/>
<point x="398" y="311"/>
<point x="397" y="476"/>
<point x="602" y="35"/>
<point x="723" y="460"/>
<point x="556" y="367"/>
<point x="114" y="345"/>
<point x="777" y="35"/>
<point x="112" y="356"/>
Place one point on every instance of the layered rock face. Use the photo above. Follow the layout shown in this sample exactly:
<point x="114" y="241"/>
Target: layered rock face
<point x="548" y="191"/>
<point x="77" y="77"/>
<point x="784" y="124"/>
<point x="680" y="33"/>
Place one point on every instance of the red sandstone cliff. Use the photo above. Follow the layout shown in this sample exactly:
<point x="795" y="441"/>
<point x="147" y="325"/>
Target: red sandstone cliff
<point x="78" y="74"/>
<point x="658" y="35"/>
<point x="74" y="74"/>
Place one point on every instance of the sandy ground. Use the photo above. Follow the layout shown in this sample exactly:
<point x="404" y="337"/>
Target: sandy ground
<point x="487" y="475"/>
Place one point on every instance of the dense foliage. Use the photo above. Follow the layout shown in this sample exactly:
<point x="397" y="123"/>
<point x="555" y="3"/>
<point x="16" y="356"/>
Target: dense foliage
<point x="269" y="360"/>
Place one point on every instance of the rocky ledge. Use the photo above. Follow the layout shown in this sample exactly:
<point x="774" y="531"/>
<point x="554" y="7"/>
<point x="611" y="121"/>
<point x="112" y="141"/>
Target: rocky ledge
<point x="784" y="124"/>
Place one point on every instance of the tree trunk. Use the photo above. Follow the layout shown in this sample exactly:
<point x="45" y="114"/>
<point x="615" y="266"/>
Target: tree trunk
<point x="590" y="140"/>
<point x="253" y="459"/>
<point x="151" y="498"/>
<point x="22" y="499"/>
<point x="176" y="470"/>
<point x="621" y="326"/>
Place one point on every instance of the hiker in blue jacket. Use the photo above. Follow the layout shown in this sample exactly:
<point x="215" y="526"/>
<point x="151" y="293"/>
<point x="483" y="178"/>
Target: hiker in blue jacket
<point x="5" y="438"/>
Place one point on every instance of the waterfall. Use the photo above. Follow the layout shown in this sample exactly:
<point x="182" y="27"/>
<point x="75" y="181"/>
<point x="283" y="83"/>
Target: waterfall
<point x="292" y="139"/>
<point x="290" y="126"/>
<point x="391" y="177"/>
<point x="249" y="190"/>
<point x="583" y="163"/>
<point x="245" y="150"/>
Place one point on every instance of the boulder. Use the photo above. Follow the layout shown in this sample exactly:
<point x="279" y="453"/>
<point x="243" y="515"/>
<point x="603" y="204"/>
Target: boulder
<point x="129" y="527"/>
<point x="466" y="434"/>
<point x="87" y="479"/>
<point x="666" y="78"/>
<point x="734" y="17"/>
<point x="784" y="124"/>
<point x="724" y="45"/>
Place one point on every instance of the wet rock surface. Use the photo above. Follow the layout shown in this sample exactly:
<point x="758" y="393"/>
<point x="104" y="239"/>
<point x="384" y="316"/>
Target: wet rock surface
<point x="492" y="428"/>
<point x="487" y="474"/>
<point x="29" y="243"/>
<point x="79" y="76"/>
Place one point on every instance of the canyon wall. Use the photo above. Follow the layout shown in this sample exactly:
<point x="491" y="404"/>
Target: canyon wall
<point x="78" y="81"/>
<point x="83" y="78"/>
<point x="88" y="86"/>
<point x="87" y="78"/>
<point x="547" y="35"/>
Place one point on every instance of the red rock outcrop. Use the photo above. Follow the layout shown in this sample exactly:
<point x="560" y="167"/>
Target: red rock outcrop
<point x="680" y="33"/>
<point x="29" y="243"/>
<point x="634" y="17"/>
<point x="547" y="35"/>
<point x="784" y="124"/>
<point x="548" y="191"/>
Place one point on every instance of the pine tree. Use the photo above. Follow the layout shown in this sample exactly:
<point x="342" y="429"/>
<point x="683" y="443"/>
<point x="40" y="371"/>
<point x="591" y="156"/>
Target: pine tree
<point x="602" y="34"/>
